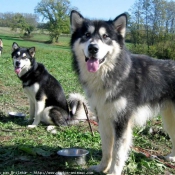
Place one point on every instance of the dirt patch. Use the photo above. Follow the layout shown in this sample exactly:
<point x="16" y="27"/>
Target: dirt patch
<point x="5" y="138"/>
<point x="13" y="99"/>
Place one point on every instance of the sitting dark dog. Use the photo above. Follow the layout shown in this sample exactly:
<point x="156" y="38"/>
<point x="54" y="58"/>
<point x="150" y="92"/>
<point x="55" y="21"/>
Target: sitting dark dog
<point x="46" y="96"/>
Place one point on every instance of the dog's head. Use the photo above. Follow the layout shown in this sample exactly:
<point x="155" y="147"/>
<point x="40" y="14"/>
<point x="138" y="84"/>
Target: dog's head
<point x="97" y="41"/>
<point x="23" y="58"/>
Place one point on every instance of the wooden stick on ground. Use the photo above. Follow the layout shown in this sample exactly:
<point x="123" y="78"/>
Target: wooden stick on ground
<point x="86" y="111"/>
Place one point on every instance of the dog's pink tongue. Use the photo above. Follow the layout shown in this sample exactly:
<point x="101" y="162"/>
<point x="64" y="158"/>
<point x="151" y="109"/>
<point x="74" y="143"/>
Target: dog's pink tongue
<point x="17" y="70"/>
<point x="92" y="65"/>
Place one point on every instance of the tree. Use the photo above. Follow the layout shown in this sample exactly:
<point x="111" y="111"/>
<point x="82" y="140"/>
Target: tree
<point x="152" y="28"/>
<point x="25" y="22"/>
<point x="6" y="19"/>
<point x="170" y="17"/>
<point x="136" y="23"/>
<point x="57" y="13"/>
<point x="149" y="15"/>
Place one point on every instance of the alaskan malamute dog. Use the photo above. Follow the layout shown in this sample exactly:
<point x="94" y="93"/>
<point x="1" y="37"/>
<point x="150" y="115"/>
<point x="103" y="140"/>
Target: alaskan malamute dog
<point x="47" y="99"/>
<point x="123" y="89"/>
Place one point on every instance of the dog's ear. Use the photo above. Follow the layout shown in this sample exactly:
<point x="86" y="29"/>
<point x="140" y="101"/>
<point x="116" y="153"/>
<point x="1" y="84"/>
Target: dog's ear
<point x="76" y="20"/>
<point x="32" y="51"/>
<point x="14" y="46"/>
<point x="120" y="23"/>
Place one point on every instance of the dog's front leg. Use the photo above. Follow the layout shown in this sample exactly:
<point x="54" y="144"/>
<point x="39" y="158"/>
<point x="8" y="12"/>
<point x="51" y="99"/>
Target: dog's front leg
<point x="123" y="142"/>
<point x="106" y="130"/>
<point x="39" y="107"/>
<point x="32" y="110"/>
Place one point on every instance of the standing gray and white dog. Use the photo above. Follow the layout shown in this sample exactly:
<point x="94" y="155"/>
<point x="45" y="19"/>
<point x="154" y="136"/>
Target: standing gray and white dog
<point x="123" y="89"/>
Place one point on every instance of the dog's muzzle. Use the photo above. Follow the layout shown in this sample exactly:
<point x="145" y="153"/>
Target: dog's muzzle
<point x="17" y="63"/>
<point x="93" y="63"/>
<point x="93" y="49"/>
<point x="17" y="67"/>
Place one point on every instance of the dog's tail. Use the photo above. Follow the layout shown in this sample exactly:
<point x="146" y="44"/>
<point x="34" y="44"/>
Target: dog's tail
<point x="78" y="104"/>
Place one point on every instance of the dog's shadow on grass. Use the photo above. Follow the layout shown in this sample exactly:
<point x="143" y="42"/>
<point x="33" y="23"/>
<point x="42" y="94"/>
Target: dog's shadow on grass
<point x="21" y="156"/>
<point x="16" y="120"/>
<point x="39" y="160"/>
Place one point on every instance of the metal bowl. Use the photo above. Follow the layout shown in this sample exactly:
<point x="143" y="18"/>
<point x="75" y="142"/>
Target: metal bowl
<point x="74" y="156"/>
<point x="16" y="115"/>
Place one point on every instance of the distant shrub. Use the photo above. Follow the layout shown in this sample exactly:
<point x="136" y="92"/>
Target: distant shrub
<point x="162" y="50"/>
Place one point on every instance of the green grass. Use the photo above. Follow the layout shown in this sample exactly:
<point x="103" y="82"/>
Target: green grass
<point x="35" y="150"/>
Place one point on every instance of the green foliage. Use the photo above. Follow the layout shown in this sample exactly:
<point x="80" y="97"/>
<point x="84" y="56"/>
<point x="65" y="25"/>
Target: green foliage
<point x="162" y="50"/>
<point x="151" y="28"/>
<point x="25" y="22"/>
<point x="18" y="21"/>
<point x="57" y="14"/>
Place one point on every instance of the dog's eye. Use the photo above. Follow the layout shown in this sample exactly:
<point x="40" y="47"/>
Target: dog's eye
<point x="105" y="36"/>
<point x="87" y="34"/>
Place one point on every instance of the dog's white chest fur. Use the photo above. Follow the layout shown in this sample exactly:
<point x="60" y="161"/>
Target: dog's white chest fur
<point x="31" y="91"/>
<point x="104" y="108"/>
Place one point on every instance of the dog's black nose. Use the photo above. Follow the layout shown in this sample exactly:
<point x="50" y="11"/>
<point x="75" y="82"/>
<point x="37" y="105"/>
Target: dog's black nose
<point x="17" y="63"/>
<point x="93" y="48"/>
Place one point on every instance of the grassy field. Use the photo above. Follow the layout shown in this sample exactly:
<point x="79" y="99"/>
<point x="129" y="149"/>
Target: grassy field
<point x="27" y="151"/>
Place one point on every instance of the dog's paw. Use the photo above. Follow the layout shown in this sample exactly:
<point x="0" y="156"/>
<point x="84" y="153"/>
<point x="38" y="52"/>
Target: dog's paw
<point x="99" y="168"/>
<point x="32" y="126"/>
<point x="52" y="129"/>
<point x="170" y="158"/>
<point x="96" y="168"/>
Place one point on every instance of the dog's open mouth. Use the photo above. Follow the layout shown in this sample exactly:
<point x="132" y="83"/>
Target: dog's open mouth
<point x="93" y="64"/>
<point x="18" y="69"/>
